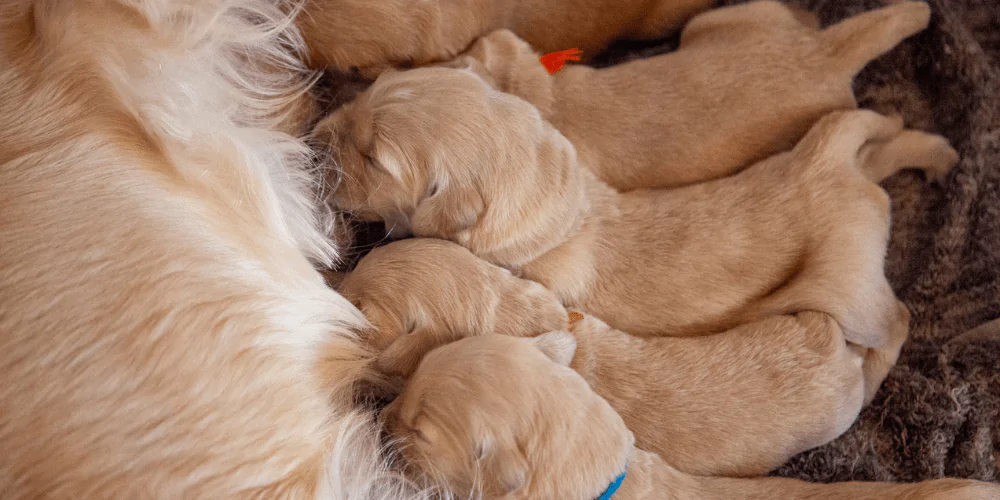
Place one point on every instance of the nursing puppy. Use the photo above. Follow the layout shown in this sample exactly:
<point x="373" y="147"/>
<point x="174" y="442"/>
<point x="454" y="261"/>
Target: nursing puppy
<point x="747" y="82"/>
<point x="503" y="417"/>
<point x="735" y="404"/>
<point x="803" y="230"/>
<point x="372" y="34"/>
<point x="432" y="291"/>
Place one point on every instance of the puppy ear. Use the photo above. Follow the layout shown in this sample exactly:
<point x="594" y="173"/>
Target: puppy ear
<point x="473" y="65"/>
<point x="558" y="346"/>
<point x="447" y="211"/>
<point x="507" y="473"/>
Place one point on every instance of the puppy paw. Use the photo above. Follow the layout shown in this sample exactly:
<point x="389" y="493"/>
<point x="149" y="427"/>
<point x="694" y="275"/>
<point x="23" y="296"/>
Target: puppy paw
<point x="403" y="356"/>
<point x="530" y="309"/>
<point x="940" y="158"/>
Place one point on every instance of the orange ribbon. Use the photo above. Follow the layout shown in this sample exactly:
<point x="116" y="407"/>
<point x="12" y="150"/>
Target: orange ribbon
<point x="556" y="60"/>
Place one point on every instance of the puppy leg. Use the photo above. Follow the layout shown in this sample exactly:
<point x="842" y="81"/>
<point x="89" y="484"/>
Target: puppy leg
<point x="667" y="16"/>
<point x="910" y="149"/>
<point x="857" y="41"/>
<point x="842" y="134"/>
<point x="878" y="361"/>
<point x="403" y="356"/>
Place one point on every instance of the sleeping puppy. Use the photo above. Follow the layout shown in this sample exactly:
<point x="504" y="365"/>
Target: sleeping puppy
<point x="372" y="34"/>
<point x="442" y="152"/>
<point x="747" y="82"/>
<point x="502" y="417"/>
<point x="430" y="291"/>
<point x="737" y="403"/>
<point x="777" y="402"/>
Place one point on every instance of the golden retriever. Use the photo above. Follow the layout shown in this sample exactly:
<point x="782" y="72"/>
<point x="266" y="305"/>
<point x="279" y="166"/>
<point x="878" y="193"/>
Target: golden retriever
<point x="163" y="331"/>
<point x="747" y="82"/>
<point x="739" y="402"/>
<point x="442" y="152"/>
<point x="370" y="35"/>
<point x="503" y="417"/>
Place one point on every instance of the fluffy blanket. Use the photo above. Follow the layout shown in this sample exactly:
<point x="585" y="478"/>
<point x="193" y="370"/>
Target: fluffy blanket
<point x="938" y="413"/>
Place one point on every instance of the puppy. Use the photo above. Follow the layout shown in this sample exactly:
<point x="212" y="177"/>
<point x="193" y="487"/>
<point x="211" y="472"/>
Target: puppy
<point x="737" y="405"/>
<point x="747" y="82"/>
<point x="429" y="292"/>
<point x="372" y="34"/>
<point x="503" y="417"/>
<point x="444" y="153"/>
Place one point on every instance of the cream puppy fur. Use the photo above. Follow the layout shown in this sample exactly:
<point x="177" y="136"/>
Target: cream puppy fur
<point x="372" y="34"/>
<point x="747" y="82"/>
<point x="444" y="153"/>
<point x="163" y="332"/>
<point x="503" y="417"/>
<point x="736" y="404"/>
<point x="428" y="292"/>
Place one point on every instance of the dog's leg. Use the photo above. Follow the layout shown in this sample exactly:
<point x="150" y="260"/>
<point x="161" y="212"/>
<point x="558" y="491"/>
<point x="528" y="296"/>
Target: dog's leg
<point x="910" y="149"/>
<point x="857" y="41"/>
<point x="649" y="476"/>
<point x="878" y="361"/>
<point x="403" y="356"/>
<point x="842" y="135"/>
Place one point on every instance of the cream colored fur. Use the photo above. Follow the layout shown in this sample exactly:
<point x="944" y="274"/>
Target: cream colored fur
<point x="440" y="151"/>
<point x="502" y="417"/>
<point x="736" y="404"/>
<point x="372" y="34"/>
<point x="427" y="292"/>
<point x="747" y="82"/>
<point x="163" y="333"/>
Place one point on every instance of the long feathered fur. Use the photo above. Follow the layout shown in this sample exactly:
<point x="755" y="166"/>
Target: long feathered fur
<point x="163" y="332"/>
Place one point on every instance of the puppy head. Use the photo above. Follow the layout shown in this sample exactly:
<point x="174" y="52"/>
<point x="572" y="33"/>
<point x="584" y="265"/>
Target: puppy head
<point x="442" y="152"/>
<point x="506" y="418"/>
<point x="421" y="292"/>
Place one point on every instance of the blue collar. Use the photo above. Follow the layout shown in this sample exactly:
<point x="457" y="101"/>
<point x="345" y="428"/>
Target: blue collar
<point x="613" y="487"/>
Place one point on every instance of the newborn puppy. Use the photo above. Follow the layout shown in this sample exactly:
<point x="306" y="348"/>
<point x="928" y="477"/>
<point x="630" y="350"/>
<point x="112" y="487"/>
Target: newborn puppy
<point x="747" y="82"/>
<point x="777" y="401"/>
<point x="372" y="34"/>
<point x="428" y="292"/>
<point x="502" y="417"/>
<point x="737" y="403"/>
<point x="446" y="154"/>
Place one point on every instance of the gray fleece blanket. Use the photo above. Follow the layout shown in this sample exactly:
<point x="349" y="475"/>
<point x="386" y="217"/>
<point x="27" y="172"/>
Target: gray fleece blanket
<point x="938" y="413"/>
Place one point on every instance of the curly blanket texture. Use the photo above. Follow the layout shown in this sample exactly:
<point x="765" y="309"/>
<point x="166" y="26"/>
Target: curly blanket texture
<point x="938" y="412"/>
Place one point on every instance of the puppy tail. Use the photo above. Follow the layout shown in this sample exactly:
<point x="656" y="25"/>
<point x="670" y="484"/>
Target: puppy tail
<point x="910" y="149"/>
<point x="857" y="41"/>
